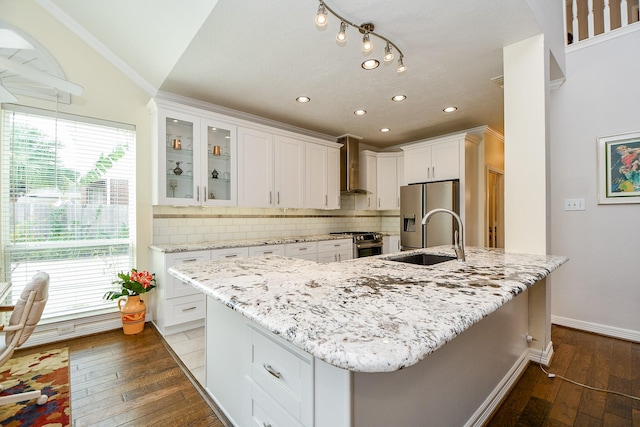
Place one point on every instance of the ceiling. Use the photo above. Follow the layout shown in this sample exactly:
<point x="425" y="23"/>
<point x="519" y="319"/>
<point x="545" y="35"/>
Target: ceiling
<point x="257" y="56"/>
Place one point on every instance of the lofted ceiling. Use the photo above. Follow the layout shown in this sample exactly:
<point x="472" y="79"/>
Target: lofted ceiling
<point x="257" y="56"/>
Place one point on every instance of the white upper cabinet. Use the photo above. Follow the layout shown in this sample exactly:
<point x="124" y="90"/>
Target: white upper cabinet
<point x="184" y="158"/>
<point x="322" y="180"/>
<point x="271" y="170"/>
<point x="432" y="161"/>
<point x="389" y="166"/>
<point x="368" y="181"/>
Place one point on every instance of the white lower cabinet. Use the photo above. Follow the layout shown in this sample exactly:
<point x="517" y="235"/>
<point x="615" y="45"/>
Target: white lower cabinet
<point x="302" y="250"/>
<point x="176" y="306"/>
<point x="390" y="244"/>
<point x="229" y="253"/>
<point x="335" y="250"/>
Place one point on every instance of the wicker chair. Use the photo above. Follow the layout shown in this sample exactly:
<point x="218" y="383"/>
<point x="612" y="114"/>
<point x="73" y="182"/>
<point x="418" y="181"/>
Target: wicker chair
<point x="24" y="318"/>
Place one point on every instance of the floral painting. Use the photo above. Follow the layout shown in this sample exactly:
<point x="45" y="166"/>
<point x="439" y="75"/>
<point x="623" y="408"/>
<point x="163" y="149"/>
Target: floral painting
<point x="619" y="169"/>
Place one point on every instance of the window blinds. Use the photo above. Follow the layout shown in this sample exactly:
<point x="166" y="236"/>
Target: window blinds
<point x="67" y="206"/>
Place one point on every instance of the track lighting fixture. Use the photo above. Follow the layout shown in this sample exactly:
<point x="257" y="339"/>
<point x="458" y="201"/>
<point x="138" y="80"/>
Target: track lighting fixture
<point x="367" y="29"/>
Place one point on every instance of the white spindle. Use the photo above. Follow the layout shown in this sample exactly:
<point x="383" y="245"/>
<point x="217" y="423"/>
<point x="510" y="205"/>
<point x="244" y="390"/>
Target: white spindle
<point x="590" y="19"/>
<point x="607" y="17"/>
<point x="624" y="15"/>
<point x="574" y="13"/>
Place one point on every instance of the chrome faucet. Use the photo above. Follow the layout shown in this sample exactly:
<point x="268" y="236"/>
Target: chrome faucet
<point x="458" y="239"/>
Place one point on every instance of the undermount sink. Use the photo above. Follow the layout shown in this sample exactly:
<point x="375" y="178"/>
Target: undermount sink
<point x="423" y="259"/>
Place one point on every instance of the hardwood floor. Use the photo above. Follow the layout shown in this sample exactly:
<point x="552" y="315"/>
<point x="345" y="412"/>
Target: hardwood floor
<point x="120" y="380"/>
<point x="587" y="358"/>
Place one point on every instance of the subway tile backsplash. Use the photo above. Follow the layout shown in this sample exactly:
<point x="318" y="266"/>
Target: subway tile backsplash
<point x="194" y="224"/>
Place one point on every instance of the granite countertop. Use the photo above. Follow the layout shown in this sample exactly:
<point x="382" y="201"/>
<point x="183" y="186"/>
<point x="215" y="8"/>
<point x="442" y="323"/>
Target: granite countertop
<point x="369" y="314"/>
<point x="223" y="244"/>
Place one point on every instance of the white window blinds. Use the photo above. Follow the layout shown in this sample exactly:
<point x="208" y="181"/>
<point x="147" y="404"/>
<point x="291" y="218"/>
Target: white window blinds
<point x="67" y="206"/>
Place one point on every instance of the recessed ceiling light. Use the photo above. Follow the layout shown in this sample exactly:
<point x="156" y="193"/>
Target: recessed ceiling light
<point x="360" y="112"/>
<point x="370" y="64"/>
<point x="303" y="99"/>
<point x="385" y="130"/>
<point x="449" y="109"/>
<point x="398" y="98"/>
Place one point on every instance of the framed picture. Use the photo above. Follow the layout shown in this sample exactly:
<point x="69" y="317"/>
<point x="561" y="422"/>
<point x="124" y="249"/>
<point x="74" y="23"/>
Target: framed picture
<point x="619" y="168"/>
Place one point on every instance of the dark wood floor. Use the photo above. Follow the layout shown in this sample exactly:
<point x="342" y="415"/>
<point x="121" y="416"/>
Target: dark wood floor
<point x="121" y="380"/>
<point x="587" y="358"/>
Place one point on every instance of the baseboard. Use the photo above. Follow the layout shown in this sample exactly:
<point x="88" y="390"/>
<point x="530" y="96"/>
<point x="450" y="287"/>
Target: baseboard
<point x="495" y="398"/>
<point x="610" y="331"/>
<point x="540" y="356"/>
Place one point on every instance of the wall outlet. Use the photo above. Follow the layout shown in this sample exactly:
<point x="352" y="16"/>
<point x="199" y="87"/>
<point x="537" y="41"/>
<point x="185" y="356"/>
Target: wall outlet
<point x="66" y="329"/>
<point x="574" y="205"/>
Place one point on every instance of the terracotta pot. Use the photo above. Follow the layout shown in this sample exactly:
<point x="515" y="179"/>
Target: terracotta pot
<point x="133" y="313"/>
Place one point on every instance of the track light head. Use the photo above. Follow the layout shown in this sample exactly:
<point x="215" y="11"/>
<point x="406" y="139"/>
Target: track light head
<point x="321" y="16"/>
<point x="401" y="67"/>
<point x="388" y="55"/>
<point x="342" y="35"/>
<point x="367" y="46"/>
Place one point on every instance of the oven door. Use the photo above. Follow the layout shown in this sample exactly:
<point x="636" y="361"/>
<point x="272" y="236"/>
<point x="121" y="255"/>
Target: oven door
<point x="368" y="249"/>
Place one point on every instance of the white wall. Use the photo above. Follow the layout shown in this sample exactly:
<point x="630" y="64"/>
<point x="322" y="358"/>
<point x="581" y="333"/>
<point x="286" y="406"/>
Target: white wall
<point x="599" y="288"/>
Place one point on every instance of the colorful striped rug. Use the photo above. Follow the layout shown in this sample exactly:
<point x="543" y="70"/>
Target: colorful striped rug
<point x="47" y="371"/>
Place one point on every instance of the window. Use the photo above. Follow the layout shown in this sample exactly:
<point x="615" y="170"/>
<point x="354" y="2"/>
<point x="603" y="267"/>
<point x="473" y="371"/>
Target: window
<point x="67" y="206"/>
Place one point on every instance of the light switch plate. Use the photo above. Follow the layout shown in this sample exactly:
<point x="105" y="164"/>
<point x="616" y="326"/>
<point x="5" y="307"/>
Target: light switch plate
<point x="574" y="205"/>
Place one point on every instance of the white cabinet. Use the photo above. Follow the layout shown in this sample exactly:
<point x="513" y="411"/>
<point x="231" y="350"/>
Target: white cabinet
<point x="389" y="166"/>
<point x="335" y="250"/>
<point x="368" y="181"/>
<point x="302" y="250"/>
<point x="176" y="306"/>
<point x="194" y="158"/>
<point x="270" y="170"/>
<point x="390" y="244"/>
<point x="432" y="161"/>
<point x="322" y="177"/>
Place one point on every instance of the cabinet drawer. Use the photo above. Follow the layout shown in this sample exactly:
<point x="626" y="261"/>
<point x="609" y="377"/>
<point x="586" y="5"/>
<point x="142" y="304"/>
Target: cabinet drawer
<point x="266" y="412"/>
<point x="282" y="373"/>
<point x="297" y="249"/>
<point x="230" y="253"/>
<point x="335" y="245"/>
<point x="174" y="287"/>
<point x="185" y="309"/>
<point x="266" y="250"/>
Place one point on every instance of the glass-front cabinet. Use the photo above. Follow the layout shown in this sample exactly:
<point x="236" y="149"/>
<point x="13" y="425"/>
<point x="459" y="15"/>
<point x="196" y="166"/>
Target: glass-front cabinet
<point x="196" y="160"/>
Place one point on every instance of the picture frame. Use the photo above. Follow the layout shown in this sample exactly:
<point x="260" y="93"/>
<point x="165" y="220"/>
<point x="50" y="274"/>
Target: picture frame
<point x="619" y="168"/>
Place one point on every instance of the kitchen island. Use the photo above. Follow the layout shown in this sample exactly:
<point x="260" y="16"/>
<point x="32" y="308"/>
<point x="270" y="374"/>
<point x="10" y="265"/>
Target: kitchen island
<point x="369" y="335"/>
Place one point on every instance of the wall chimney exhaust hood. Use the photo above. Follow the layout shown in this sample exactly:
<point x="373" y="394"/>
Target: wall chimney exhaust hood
<point x="350" y="165"/>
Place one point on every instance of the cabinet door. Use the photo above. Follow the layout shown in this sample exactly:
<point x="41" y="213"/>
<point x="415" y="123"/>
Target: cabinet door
<point x="315" y="190"/>
<point x="417" y="165"/>
<point x="289" y="172"/>
<point x="368" y="178"/>
<point x="218" y="164"/>
<point x="445" y="161"/>
<point x="333" y="178"/>
<point x="255" y="168"/>
<point x="387" y="186"/>
<point x="179" y="137"/>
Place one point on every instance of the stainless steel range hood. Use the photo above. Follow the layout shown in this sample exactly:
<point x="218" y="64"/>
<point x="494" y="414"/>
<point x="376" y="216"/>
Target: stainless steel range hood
<point x="350" y="165"/>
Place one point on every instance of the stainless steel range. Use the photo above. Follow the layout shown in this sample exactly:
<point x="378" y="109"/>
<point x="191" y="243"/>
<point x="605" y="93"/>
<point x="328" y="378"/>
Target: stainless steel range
<point x="365" y="243"/>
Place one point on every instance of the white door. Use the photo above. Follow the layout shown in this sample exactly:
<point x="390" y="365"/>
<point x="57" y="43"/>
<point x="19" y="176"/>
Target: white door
<point x="255" y="168"/>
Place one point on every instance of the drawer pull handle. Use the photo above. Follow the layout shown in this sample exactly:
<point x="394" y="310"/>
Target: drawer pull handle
<point x="302" y="249"/>
<point x="190" y="308"/>
<point x="272" y="371"/>
<point x="268" y="252"/>
<point x="231" y="256"/>
<point x="190" y="260"/>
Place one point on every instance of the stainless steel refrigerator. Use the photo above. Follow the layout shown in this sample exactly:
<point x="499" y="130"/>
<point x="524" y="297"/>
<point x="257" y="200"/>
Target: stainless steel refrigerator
<point x="418" y="199"/>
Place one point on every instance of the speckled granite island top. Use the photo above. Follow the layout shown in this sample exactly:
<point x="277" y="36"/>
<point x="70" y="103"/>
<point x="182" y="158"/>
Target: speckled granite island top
<point x="369" y="314"/>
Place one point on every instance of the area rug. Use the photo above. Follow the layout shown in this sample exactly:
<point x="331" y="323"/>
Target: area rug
<point x="47" y="371"/>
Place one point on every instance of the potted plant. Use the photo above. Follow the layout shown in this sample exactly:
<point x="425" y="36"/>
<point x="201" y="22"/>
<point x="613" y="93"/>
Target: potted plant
<point x="132" y="285"/>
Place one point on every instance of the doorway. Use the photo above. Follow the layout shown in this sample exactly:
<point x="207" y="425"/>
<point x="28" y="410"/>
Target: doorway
<point x="494" y="222"/>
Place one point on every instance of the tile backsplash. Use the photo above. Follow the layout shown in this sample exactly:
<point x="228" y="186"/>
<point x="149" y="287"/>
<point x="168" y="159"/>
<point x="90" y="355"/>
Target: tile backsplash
<point x="194" y="224"/>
